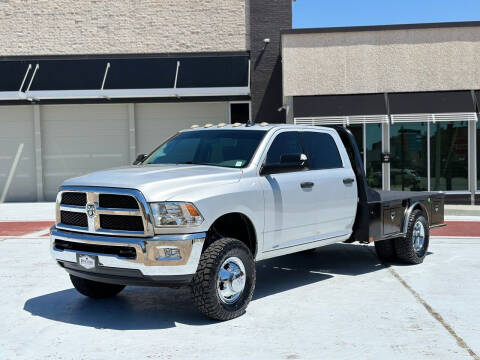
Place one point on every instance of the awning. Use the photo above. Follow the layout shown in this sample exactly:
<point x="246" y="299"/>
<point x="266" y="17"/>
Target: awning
<point x="339" y="105"/>
<point x="442" y="106"/>
<point x="340" y="109"/>
<point x="133" y="77"/>
<point x="431" y="102"/>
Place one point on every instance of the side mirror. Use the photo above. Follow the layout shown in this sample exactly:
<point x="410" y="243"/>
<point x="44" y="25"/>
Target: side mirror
<point x="139" y="159"/>
<point x="293" y="159"/>
<point x="288" y="163"/>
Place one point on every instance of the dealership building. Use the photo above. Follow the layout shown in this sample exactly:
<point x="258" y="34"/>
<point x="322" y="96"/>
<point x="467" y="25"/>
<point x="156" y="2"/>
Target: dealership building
<point x="88" y="85"/>
<point x="409" y="94"/>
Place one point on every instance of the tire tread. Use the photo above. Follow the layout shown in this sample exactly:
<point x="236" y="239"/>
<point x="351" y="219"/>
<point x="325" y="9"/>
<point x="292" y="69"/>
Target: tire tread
<point x="203" y="294"/>
<point x="404" y="246"/>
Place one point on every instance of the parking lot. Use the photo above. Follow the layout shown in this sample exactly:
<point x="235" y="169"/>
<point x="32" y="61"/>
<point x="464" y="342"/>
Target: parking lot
<point x="339" y="302"/>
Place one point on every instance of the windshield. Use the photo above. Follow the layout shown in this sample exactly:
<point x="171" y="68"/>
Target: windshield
<point x="226" y="148"/>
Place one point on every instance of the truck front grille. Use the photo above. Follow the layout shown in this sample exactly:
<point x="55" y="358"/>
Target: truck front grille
<point x="119" y="222"/>
<point x="74" y="198"/>
<point x="104" y="211"/>
<point x="120" y="251"/>
<point x="117" y="201"/>
<point x="74" y="219"/>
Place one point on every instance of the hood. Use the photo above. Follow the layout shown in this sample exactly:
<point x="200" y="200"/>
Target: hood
<point x="159" y="182"/>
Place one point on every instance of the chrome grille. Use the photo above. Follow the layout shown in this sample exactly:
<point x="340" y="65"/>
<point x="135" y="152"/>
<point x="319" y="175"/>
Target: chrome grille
<point x="121" y="222"/>
<point x="74" y="219"/>
<point x="117" y="201"/>
<point x="74" y="198"/>
<point x="103" y="211"/>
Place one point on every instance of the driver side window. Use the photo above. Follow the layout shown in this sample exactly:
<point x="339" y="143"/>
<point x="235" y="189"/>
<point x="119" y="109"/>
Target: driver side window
<point x="286" y="143"/>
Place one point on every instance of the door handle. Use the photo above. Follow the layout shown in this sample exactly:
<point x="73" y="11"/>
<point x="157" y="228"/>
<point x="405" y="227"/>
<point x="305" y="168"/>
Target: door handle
<point x="347" y="181"/>
<point x="307" y="185"/>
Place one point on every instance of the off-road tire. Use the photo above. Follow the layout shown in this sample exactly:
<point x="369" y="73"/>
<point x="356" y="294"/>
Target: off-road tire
<point x="386" y="250"/>
<point x="204" y="284"/>
<point x="404" y="246"/>
<point x="94" y="289"/>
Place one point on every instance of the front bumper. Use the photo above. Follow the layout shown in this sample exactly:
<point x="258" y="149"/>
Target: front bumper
<point x="149" y="260"/>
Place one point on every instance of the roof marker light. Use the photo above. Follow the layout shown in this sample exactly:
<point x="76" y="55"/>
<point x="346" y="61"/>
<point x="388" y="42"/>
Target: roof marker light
<point x="208" y="125"/>
<point x="221" y="125"/>
<point x="194" y="126"/>
<point x="264" y="124"/>
<point x="237" y="124"/>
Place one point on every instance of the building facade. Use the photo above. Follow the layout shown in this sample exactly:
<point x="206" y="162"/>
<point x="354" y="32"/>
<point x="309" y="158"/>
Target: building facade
<point x="89" y="85"/>
<point x="409" y="94"/>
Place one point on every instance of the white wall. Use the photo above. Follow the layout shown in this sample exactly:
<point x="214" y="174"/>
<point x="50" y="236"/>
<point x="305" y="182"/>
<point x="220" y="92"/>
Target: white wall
<point x="34" y="27"/>
<point x="381" y="61"/>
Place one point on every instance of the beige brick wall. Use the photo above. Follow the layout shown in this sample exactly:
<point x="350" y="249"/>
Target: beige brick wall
<point x="381" y="61"/>
<point x="42" y="27"/>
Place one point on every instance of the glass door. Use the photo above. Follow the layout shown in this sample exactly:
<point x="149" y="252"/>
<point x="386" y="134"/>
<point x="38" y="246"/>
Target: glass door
<point x="409" y="149"/>
<point x="369" y="140"/>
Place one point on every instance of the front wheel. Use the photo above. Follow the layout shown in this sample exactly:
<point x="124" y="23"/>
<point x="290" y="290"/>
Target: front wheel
<point x="94" y="289"/>
<point x="223" y="285"/>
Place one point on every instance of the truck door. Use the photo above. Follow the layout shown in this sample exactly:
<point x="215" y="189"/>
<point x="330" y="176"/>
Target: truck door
<point x="290" y="211"/>
<point x="335" y="189"/>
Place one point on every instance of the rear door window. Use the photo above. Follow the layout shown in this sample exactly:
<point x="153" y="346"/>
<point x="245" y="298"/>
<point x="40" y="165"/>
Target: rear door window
<point x="322" y="151"/>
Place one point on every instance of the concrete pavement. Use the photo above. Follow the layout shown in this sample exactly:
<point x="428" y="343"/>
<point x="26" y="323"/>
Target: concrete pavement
<point x="339" y="302"/>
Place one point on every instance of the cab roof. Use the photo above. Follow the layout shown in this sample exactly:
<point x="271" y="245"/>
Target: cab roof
<point x="256" y="126"/>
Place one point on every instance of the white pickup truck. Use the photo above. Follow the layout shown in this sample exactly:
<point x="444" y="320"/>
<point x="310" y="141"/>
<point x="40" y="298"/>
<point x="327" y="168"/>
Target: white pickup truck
<point x="209" y="202"/>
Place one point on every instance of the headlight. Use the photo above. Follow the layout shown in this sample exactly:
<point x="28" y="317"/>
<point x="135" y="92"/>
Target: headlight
<point x="175" y="214"/>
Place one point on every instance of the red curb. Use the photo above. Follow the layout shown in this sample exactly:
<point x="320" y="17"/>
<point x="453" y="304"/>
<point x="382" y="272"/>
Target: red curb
<point x="19" y="228"/>
<point x="458" y="228"/>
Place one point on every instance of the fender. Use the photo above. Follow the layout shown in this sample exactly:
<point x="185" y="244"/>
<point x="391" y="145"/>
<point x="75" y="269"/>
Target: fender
<point x="409" y="211"/>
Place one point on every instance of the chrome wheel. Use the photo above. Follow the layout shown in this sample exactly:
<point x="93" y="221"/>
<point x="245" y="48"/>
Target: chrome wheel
<point x="418" y="236"/>
<point x="231" y="280"/>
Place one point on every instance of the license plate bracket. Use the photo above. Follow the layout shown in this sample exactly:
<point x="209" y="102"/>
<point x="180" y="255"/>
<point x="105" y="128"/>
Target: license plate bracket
<point x="87" y="261"/>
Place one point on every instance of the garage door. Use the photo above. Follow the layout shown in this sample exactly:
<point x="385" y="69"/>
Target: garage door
<point x="78" y="139"/>
<point x="16" y="124"/>
<point x="155" y="123"/>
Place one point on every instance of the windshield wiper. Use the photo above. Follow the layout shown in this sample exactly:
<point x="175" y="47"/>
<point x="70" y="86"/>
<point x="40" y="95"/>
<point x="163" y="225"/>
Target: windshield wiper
<point x="195" y="163"/>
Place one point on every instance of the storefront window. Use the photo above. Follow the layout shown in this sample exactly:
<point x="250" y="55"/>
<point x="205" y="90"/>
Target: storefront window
<point x="373" y="147"/>
<point x="374" y="154"/>
<point x="449" y="156"/>
<point x="357" y="131"/>
<point x="409" y="164"/>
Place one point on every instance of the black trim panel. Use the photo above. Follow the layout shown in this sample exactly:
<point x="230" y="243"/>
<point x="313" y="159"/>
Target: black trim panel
<point x="382" y="27"/>
<point x="126" y="73"/>
<point x="431" y="102"/>
<point x="477" y="100"/>
<point x="339" y="105"/>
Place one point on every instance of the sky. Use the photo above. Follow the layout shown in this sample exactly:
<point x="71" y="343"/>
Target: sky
<point x="328" y="13"/>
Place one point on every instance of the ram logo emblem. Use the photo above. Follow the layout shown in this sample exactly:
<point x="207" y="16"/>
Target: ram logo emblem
<point x="91" y="210"/>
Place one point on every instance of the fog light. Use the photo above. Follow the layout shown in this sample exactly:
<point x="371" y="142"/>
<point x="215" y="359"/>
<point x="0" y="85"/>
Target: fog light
<point x="169" y="254"/>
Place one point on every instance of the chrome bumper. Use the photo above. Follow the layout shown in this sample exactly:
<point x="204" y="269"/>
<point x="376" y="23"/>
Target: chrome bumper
<point x="150" y="252"/>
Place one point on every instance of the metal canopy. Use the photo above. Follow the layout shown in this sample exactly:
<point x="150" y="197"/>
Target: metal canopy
<point x="339" y="105"/>
<point x="163" y="77"/>
<point x="431" y="102"/>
